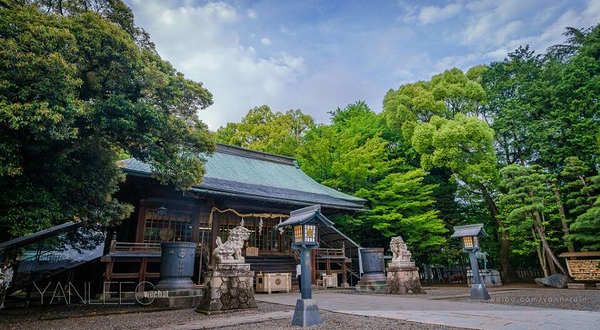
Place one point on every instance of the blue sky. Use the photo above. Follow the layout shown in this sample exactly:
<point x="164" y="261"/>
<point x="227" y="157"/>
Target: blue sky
<point x="320" y="55"/>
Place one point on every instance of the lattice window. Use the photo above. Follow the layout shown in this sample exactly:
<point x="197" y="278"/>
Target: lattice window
<point x="174" y="226"/>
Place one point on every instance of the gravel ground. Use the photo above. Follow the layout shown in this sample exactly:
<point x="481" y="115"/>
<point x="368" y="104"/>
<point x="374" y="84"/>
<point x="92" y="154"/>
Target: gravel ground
<point x="587" y="300"/>
<point x="134" y="317"/>
<point x="109" y="317"/>
<point x="344" y="322"/>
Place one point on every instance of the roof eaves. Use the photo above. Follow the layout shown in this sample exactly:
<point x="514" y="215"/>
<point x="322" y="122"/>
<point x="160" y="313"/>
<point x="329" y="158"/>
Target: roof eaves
<point x="469" y="230"/>
<point x="358" y="208"/>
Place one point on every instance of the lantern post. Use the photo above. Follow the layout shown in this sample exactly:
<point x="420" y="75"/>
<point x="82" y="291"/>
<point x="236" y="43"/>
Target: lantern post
<point x="305" y="226"/>
<point x="470" y="235"/>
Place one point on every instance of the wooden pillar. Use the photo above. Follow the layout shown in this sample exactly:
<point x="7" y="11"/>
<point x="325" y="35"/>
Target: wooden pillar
<point x="328" y="266"/>
<point x="344" y="274"/>
<point x="215" y="233"/>
<point x="142" y="278"/>
<point x="108" y="275"/>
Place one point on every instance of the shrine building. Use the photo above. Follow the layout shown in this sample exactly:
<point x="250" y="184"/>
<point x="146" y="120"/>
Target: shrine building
<point x="240" y="186"/>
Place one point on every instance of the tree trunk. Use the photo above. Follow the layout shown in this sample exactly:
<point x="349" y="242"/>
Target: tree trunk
<point x="550" y="264"/>
<point x="563" y="217"/>
<point x="541" y="256"/>
<point x="585" y="186"/>
<point x="552" y="268"/>
<point x="546" y="247"/>
<point x="504" y="254"/>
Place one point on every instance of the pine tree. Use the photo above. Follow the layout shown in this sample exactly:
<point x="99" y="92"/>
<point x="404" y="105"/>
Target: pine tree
<point x="526" y="199"/>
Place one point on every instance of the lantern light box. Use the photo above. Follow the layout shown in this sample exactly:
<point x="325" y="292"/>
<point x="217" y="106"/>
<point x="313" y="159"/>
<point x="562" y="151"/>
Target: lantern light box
<point x="470" y="235"/>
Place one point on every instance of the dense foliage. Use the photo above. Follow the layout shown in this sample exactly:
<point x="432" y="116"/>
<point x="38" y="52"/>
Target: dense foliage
<point x="514" y="144"/>
<point x="80" y="85"/>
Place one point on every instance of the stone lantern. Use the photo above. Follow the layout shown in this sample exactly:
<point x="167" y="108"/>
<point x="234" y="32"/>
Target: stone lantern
<point x="470" y="235"/>
<point x="305" y="224"/>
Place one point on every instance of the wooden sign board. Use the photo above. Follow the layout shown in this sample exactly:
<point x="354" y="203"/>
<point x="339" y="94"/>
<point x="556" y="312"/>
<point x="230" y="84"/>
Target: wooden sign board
<point x="584" y="270"/>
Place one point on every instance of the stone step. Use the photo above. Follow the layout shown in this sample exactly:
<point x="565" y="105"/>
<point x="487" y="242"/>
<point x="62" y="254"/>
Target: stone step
<point x="175" y="302"/>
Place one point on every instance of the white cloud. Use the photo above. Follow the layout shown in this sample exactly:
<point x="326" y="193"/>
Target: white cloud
<point x="433" y="14"/>
<point x="266" y="41"/>
<point x="456" y="61"/>
<point x="202" y="41"/>
<point x="494" y="28"/>
<point x="552" y="34"/>
<point x="251" y="14"/>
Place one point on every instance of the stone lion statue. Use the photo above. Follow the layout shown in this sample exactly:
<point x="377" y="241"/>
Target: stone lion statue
<point x="399" y="250"/>
<point x="231" y="250"/>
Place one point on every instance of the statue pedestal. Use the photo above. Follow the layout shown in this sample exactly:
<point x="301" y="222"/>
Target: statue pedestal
<point x="403" y="278"/>
<point x="228" y="286"/>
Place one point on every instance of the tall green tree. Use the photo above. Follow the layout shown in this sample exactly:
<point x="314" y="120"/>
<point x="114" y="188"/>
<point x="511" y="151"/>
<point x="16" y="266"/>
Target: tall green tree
<point x="583" y="201"/>
<point x="76" y="90"/>
<point x="414" y="108"/>
<point x="543" y="108"/>
<point x="465" y="146"/>
<point x="262" y="129"/>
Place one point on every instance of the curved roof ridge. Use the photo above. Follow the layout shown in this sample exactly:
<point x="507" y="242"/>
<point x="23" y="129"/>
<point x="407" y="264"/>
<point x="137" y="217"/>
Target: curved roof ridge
<point x="255" y="154"/>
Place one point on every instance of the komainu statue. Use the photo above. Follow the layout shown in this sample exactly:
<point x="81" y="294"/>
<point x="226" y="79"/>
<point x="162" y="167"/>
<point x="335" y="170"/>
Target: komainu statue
<point x="399" y="250"/>
<point x="231" y="250"/>
<point x="402" y="274"/>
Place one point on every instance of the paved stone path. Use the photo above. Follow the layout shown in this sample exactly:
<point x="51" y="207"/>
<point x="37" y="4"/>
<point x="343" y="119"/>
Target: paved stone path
<point x="448" y="313"/>
<point x="222" y="322"/>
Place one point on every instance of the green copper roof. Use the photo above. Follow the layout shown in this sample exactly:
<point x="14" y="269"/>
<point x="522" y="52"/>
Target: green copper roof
<point x="252" y="173"/>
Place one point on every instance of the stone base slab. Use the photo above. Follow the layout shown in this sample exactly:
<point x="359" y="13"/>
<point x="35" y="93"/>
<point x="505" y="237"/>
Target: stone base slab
<point x="371" y="286"/>
<point x="577" y="286"/>
<point x="403" y="279"/>
<point x="173" y="299"/>
<point x="228" y="287"/>
<point x="598" y="286"/>
<point x="306" y="313"/>
<point x="479" y="292"/>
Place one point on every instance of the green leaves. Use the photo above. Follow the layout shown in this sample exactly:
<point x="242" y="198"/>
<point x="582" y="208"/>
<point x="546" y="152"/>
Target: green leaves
<point x="76" y="90"/>
<point x="402" y="205"/>
<point x="261" y="129"/>
<point x="465" y="145"/>
<point x="447" y="94"/>
<point x="585" y="228"/>
<point x="349" y="154"/>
